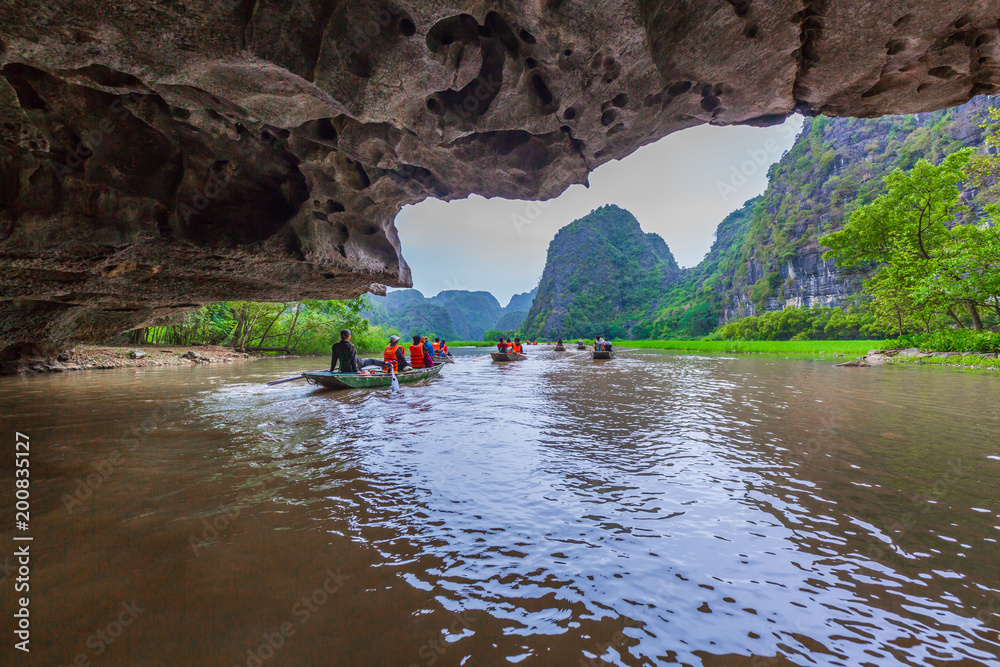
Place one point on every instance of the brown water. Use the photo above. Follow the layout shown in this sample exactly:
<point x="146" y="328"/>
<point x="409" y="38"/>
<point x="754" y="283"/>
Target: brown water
<point x="656" y="508"/>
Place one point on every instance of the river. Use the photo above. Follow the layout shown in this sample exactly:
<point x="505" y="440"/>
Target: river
<point x="658" y="508"/>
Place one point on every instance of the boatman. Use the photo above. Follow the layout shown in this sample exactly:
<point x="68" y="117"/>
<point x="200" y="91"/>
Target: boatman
<point x="444" y="348"/>
<point x="345" y="354"/>
<point x="394" y="355"/>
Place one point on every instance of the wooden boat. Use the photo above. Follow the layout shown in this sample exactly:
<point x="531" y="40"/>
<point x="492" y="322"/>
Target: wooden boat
<point x="508" y="356"/>
<point x="368" y="381"/>
<point x="560" y="348"/>
<point x="443" y="359"/>
<point x="605" y="354"/>
<point x="581" y="347"/>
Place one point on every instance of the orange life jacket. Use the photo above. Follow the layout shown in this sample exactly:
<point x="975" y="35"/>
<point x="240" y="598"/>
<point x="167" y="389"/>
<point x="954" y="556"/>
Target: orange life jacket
<point x="437" y="346"/>
<point x="417" y="355"/>
<point x="389" y="356"/>
<point x="444" y="349"/>
<point x="516" y="348"/>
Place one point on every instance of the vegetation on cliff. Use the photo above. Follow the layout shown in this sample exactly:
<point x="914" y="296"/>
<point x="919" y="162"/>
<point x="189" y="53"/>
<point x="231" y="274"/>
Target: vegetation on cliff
<point x="601" y="275"/>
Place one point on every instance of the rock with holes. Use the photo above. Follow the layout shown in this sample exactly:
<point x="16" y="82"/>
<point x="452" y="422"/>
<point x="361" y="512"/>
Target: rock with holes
<point x="155" y="156"/>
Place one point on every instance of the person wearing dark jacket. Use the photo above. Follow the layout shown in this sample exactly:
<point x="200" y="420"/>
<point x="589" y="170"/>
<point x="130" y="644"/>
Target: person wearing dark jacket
<point x="345" y="354"/>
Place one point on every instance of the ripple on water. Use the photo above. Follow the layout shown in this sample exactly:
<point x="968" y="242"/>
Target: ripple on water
<point x="657" y="506"/>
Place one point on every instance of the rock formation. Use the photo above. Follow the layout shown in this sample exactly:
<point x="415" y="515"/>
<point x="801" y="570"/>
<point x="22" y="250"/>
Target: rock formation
<point x="156" y="155"/>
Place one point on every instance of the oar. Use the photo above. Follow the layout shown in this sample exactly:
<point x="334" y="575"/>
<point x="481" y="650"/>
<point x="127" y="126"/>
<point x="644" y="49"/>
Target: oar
<point x="294" y="377"/>
<point x="394" y="387"/>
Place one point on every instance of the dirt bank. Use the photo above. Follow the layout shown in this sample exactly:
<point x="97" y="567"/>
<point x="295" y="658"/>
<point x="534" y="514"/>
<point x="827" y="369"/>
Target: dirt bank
<point x="88" y="357"/>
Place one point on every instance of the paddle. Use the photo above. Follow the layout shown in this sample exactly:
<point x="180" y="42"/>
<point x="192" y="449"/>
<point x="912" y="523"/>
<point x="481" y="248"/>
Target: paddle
<point x="394" y="387"/>
<point x="291" y="379"/>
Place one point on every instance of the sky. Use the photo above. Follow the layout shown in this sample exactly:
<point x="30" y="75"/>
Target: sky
<point x="680" y="187"/>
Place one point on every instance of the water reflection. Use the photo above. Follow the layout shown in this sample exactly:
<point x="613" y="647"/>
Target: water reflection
<point x="658" y="508"/>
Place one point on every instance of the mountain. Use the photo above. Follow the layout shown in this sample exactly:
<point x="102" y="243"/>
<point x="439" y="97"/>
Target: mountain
<point x="472" y="312"/>
<point x="766" y="256"/>
<point x="520" y="302"/>
<point x="452" y="315"/>
<point x="602" y="275"/>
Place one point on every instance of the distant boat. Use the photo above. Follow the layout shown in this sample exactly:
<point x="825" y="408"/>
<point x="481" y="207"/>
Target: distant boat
<point x="508" y="356"/>
<point x="581" y="347"/>
<point x="368" y="381"/>
<point x="560" y="348"/>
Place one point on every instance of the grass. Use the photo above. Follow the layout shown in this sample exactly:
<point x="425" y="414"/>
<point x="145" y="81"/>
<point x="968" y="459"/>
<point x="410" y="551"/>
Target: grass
<point x="969" y="360"/>
<point x="805" y="348"/>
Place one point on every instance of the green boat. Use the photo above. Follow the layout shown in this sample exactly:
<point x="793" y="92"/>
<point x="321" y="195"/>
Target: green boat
<point x="508" y="356"/>
<point x="368" y="381"/>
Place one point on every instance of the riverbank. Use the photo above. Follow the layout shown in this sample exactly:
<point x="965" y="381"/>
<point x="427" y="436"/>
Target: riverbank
<point x="825" y="349"/>
<point x="922" y="357"/>
<point x="94" y="357"/>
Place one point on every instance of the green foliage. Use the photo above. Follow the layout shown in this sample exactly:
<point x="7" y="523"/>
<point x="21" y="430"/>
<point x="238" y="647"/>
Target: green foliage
<point x="926" y="263"/>
<point x="305" y="327"/>
<point x="816" y="323"/>
<point x="816" y="349"/>
<point x="950" y="340"/>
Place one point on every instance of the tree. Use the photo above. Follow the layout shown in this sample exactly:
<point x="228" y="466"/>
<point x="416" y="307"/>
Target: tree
<point x="925" y="261"/>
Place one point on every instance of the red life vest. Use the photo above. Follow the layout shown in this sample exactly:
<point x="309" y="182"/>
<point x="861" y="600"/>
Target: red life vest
<point x="516" y="348"/>
<point x="417" y="355"/>
<point x="389" y="356"/>
<point x="437" y="346"/>
<point x="444" y="349"/>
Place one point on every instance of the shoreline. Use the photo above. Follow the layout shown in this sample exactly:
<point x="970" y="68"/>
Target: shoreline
<point x="102" y="357"/>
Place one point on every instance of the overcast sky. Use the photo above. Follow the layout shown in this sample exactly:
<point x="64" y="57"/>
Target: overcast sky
<point x="680" y="187"/>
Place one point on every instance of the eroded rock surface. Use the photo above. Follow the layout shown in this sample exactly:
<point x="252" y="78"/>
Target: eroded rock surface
<point x="156" y="155"/>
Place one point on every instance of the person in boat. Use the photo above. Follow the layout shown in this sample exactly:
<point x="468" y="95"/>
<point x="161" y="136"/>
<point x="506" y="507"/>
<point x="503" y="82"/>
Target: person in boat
<point x="428" y="352"/>
<point x="394" y="357"/>
<point x="517" y="348"/>
<point x="607" y="344"/>
<point x="417" y="353"/>
<point x="444" y="348"/>
<point x="559" y="343"/>
<point x="599" y="344"/>
<point x="579" y="343"/>
<point x="503" y="346"/>
<point x="345" y="354"/>
<point x="437" y="346"/>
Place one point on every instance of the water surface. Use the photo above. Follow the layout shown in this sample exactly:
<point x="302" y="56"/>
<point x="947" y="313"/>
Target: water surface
<point x="654" y="509"/>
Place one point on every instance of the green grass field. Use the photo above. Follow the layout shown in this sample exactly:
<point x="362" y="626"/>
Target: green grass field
<point x="806" y="348"/>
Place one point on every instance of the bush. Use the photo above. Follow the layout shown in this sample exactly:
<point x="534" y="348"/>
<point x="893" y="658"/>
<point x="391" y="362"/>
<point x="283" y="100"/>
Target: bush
<point x="951" y="340"/>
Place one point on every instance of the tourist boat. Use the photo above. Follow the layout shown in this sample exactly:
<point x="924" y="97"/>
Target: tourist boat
<point x="368" y="380"/>
<point x="443" y="359"/>
<point x="560" y="348"/>
<point x="604" y="354"/>
<point x="581" y="347"/>
<point x="508" y="356"/>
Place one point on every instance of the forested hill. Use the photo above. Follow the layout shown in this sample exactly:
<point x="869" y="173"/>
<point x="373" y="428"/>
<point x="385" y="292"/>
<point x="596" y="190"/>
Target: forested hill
<point x="452" y="315"/>
<point x="766" y="255"/>
<point x="602" y="275"/>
